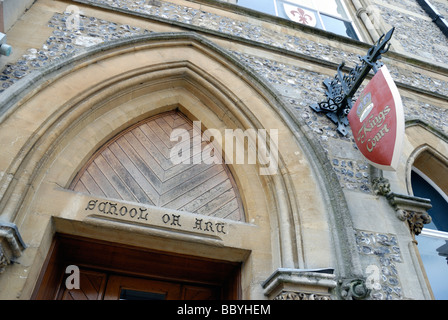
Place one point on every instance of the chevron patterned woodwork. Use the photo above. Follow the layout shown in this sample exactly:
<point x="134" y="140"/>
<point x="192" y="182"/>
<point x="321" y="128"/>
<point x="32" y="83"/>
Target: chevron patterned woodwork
<point x="135" y="166"/>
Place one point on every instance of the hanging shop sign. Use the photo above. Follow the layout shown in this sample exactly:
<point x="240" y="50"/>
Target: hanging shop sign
<point x="376" y="118"/>
<point x="377" y="121"/>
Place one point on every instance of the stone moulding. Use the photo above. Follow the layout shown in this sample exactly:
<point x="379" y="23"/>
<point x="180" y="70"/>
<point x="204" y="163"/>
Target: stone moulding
<point x="300" y="284"/>
<point x="11" y="244"/>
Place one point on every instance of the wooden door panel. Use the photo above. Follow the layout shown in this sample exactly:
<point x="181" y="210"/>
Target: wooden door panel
<point x="169" y="290"/>
<point x="200" y="293"/>
<point x="116" y="284"/>
<point x="92" y="285"/>
<point x="135" y="166"/>
<point x="99" y="286"/>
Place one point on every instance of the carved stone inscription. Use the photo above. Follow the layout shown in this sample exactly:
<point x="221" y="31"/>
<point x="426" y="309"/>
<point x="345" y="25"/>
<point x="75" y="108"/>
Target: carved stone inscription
<point x="115" y="209"/>
<point x="173" y="220"/>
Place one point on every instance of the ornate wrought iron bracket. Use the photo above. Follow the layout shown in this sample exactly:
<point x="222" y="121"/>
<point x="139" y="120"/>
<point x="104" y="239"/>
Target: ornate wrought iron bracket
<point x="342" y="88"/>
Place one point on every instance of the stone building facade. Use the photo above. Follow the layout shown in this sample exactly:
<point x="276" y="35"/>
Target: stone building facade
<point x="90" y="97"/>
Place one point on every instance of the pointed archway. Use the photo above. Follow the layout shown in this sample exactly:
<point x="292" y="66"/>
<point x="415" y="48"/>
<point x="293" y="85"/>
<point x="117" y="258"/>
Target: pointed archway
<point x="79" y="106"/>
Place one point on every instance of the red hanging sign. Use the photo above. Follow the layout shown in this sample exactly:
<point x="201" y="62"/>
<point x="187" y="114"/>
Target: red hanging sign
<point x="377" y="121"/>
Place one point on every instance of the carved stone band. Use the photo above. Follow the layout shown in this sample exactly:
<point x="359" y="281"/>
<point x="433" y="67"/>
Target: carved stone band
<point x="299" y="284"/>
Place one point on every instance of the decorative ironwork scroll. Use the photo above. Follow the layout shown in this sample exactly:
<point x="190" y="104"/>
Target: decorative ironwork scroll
<point x="342" y="88"/>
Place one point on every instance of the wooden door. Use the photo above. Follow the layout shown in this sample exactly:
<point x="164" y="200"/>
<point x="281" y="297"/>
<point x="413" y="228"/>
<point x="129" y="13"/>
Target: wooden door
<point x="95" y="285"/>
<point x="130" y="288"/>
<point x="110" y="271"/>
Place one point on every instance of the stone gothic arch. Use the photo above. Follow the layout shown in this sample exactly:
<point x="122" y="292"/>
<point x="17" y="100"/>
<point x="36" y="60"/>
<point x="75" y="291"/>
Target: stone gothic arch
<point x="424" y="146"/>
<point x="68" y="111"/>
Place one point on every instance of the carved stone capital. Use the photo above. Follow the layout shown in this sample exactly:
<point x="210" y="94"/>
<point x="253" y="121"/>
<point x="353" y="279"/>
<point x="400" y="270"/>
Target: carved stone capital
<point x="411" y="209"/>
<point x="289" y="295"/>
<point x="360" y="12"/>
<point x="11" y="244"/>
<point x="298" y="284"/>
<point x="353" y="289"/>
<point x="416" y="220"/>
<point x="381" y="186"/>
